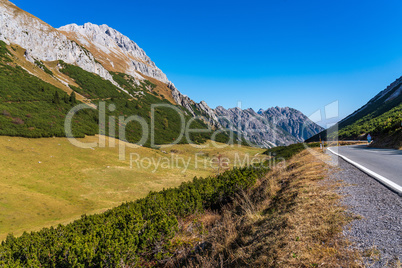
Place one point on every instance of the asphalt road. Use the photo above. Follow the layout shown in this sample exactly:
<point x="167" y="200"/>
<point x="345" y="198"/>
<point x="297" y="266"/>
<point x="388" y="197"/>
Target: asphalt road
<point x="385" y="162"/>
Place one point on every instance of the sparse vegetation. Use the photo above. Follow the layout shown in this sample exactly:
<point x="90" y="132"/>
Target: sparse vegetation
<point x="92" y="85"/>
<point x="127" y="82"/>
<point x="4" y="53"/>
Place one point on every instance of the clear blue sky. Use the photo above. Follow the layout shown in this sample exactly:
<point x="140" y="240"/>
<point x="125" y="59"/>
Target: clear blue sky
<point x="302" y="54"/>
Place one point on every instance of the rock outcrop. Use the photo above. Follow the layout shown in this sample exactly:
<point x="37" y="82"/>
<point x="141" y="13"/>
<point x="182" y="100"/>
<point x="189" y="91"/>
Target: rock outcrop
<point x="114" y="50"/>
<point x="43" y="42"/>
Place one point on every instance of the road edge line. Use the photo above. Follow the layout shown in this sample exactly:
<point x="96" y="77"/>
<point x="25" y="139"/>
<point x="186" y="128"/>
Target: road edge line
<point x="390" y="184"/>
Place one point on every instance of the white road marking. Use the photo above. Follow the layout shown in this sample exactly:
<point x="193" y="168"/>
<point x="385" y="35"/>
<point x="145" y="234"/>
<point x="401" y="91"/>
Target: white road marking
<point x="390" y="184"/>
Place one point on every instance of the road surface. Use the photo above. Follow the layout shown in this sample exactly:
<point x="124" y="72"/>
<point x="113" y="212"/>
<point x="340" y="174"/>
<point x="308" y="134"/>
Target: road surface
<point x="385" y="162"/>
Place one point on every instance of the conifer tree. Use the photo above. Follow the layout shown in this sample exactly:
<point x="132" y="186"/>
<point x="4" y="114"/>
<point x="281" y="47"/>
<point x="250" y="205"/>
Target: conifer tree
<point x="73" y="99"/>
<point x="56" y="98"/>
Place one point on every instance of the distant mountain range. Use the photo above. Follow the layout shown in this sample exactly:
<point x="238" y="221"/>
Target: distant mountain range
<point x="97" y="63"/>
<point x="271" y="127"/>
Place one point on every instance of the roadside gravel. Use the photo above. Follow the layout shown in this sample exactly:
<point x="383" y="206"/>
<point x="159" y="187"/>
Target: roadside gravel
<point x="378" y="234"/>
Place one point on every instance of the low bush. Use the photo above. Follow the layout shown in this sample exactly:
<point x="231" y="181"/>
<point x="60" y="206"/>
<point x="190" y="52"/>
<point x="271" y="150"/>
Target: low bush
<point x="287" y="152"/>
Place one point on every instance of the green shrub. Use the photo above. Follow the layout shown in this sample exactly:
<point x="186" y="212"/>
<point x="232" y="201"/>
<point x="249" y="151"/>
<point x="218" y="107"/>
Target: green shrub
<point x="287" y="152"/>
<point x="43" y="67"/>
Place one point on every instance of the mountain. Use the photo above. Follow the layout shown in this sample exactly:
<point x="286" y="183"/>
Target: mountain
<point x="43" y="42"/>
<point x="98" y="63"/>
<point x="266" y="128"/>
<point x="292" y="121"/>
<point x="120" y="54"/>
<point x="380" y="116"/>
<point x="254" y="127"/>
<point x="114" y="50"/>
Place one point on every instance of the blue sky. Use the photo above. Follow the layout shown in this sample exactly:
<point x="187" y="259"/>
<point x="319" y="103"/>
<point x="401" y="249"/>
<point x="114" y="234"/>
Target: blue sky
<point x="301" y="54"/>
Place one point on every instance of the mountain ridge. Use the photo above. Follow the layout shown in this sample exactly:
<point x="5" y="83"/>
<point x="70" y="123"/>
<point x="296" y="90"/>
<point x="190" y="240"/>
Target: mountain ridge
<point x="43" y="42"/>
<point x="271" y="127"/>
<point x="112" y="47"/>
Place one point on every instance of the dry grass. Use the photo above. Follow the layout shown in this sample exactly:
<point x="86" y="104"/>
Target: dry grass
<point x="291" y="218"/>
<point x="344" y="143"/>
<point x="161" y="88"/>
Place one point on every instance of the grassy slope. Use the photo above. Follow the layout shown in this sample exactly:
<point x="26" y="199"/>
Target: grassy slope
<point x="375" y="123"/>
<point x="70" y="181"/>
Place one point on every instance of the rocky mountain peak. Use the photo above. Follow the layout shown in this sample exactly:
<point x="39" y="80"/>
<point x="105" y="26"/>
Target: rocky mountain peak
<point x="114" y="50"/>
<point x="274" y="126"/>
<point x="42" y="41"/>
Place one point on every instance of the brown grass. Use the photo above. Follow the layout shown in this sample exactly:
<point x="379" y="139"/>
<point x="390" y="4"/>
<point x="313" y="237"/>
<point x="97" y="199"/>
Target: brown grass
<point x="161" y="88"/>
<point x="291" y="218"/>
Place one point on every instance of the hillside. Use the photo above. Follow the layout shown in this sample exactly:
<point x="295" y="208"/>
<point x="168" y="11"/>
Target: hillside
<point x="381" y="117"/>
<point x="33" y="108"/>
<point x="40" y="62"/>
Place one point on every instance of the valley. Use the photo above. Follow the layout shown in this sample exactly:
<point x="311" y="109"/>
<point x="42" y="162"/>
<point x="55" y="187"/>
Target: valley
<point x="48" y="181"/>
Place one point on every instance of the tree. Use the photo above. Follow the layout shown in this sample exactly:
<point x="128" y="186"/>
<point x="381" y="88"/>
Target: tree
<point x="73" y="98"/>
<point x="56" y="98"/>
